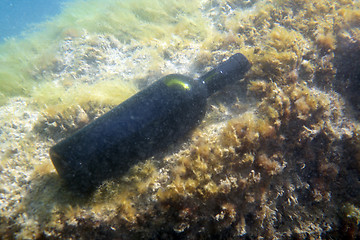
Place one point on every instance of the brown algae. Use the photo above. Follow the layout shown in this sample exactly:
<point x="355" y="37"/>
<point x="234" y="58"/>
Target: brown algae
<point x="281" y="162"/>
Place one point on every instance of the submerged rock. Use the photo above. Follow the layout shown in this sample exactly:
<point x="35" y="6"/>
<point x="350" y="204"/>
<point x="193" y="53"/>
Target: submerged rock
<point x="277" y="155"/>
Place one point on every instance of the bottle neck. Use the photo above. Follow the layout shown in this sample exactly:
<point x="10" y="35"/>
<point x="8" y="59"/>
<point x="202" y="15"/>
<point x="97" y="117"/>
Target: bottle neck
<point x="226" y="73"/>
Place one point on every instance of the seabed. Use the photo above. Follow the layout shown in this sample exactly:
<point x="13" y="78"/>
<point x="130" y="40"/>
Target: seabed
<point x="276" y="157"/>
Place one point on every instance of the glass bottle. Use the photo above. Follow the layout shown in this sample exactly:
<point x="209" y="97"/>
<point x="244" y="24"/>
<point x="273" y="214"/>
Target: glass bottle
<point x="140" y="126"/>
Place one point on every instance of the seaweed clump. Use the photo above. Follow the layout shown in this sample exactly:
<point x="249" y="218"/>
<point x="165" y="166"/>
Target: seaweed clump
<point x="241" y="179"/>
<point x="244" y="179"/>
<point x="347" y="56"/>
<point x="286" y="167"/>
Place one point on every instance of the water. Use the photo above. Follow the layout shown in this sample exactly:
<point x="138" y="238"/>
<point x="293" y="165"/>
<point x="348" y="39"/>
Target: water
<point x="280" y="161"/>
<point x="21" y="15"/>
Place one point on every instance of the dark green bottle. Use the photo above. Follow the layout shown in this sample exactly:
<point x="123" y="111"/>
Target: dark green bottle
<point x="140" y="126"/>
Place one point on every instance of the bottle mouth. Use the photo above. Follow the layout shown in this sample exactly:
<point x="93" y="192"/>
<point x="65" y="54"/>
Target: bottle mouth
<point x="242" y="61"/>
<point x="226" y="73"/>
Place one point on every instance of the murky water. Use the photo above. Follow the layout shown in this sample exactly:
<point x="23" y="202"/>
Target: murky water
<point x="276" y="155"/>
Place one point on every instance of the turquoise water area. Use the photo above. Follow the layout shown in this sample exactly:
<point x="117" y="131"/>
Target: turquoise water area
<point x="22" y="15"/>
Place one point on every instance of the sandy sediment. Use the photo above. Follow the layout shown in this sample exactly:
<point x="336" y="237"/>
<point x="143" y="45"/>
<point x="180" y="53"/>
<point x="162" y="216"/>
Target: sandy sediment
<point x="277" y="155"/>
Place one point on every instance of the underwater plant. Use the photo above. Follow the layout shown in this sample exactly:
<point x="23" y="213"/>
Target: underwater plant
<point x="276" y="156"/>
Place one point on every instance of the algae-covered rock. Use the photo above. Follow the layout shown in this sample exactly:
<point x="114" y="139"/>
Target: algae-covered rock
<point x="277" y="155"/>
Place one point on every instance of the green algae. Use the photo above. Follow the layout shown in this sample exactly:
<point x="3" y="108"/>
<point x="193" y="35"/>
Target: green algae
<point x="129" y="20"/>
<point x="270" y="172"/>
<point x="56" y="99"/>
<point x="23" y="60"/>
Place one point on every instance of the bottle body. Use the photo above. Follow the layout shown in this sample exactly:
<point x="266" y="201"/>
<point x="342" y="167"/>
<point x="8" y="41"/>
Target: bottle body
<point x="132" y="131"/>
